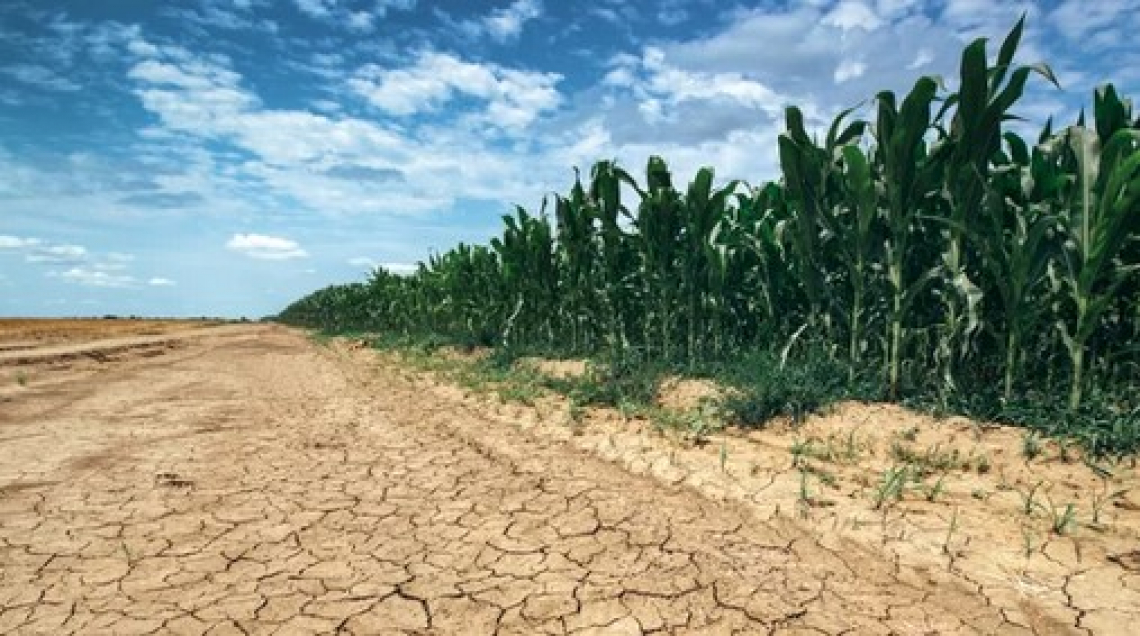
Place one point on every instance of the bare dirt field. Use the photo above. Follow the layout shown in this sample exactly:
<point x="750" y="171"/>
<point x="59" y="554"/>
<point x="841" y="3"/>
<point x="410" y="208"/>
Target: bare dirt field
<point x="27" y="333"/>
<point x="247" y="480"/>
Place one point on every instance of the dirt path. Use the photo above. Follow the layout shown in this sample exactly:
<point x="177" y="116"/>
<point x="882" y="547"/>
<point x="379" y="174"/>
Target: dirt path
<point x="250" y="481"/>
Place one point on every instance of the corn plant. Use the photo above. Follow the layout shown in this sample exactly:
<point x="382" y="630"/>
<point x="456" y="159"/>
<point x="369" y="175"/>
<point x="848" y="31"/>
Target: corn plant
<point x="1102" y="222"/>
<point x="982" y="104"/>
<point x="938" y="255"/>
<point x="907" y="179"/>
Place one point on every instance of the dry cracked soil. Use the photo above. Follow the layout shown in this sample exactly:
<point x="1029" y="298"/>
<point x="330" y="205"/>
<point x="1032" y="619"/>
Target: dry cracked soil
<point x="247" y="480"/>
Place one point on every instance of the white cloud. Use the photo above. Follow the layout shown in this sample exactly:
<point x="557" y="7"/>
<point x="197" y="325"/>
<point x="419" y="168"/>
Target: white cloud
<point x="506" y="24"/>
<point x="297" y="153"/>
<point x="848" y="70"/>
<point x="851" y="14"/>
<point x="892" y="9"/>
<point x="94" y="277"/>
<point x="921" y="59"/>
<point x="363" y="261"/>
<point x="1092" y="21"/>
<point x="261" y="246"/>
<point x="160" y="282"/>
<point x="16" y="243"/>
<point x="39" y="76"/>
<point x="80" y="265"/>
<point x="316" y="8"/>
<point x="621" y="76"/>
<point x="361" y="21"/>
<point x="515" y="98"/>
<point x="655" y="81"/>
<point x="502" y="25"/>
<point x="986" y="18"/>
<point x="338" y="12"/>
<point x="57" y="254"/>
<point x="192" y="97"/>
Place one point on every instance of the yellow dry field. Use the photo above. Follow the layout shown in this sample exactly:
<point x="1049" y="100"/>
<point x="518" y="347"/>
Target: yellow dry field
<point x="243" y="479"/>
<point x="24" y="333"/>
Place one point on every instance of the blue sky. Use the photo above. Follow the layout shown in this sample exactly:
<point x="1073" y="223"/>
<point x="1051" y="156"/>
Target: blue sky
<point x="224" y="157"/>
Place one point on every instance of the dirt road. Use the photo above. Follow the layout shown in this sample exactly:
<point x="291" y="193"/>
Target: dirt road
<point x="251" y="481"/>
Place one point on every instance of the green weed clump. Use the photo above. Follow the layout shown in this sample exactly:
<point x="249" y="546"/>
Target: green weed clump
<point x="766" y="386"/>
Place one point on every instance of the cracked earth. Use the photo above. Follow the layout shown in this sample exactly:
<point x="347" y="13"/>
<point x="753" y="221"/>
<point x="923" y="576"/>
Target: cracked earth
<point x="244" y="480"/>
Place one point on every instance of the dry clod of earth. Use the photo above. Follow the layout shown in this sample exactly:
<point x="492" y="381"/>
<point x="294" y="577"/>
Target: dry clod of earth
<point x="248" y="481"/>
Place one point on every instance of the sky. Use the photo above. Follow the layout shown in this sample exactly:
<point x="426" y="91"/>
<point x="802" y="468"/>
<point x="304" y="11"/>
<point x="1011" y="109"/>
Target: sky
<point x="225" y="157"/>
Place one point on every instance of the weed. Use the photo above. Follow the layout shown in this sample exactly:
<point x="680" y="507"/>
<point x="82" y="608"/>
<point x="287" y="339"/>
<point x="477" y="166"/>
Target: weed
<point x="950" y="530"/>
<point x="1099" y="470"/>
<point x="1103" y="497"/>
<point x="800" y="449"/>
<point x="767" y="385"/>
<point x="932" y="460"/>
<point x="126" y="551"/>
<point x="832" y="449"/>
<point x="892" y="485"/>
<point x="1027" y="544"/>
<point x="1031" y="445"/>
<point x="698" y="428"/>
<point x="910" y="434"/>
<point x="804" y="498"/>
<point x="22" y="378"/>
<point x="805" y="494"/>
<point x="935" y="491"/>
<point x="1003" y="483"/>
<point x="576" y="411"/>
<point x="629" y="380"/>
<point x="694" y="426"/>
<point x="1065" y="449"/>
<point x="853" y="449"/>
<point x="723" y="454"/>
<point x="628" y="409"/>
<point x="981" y="494"/>
<point x="902" y="452"/>
<point x="521" y="392"/>
<point x="1061" y="519"/>
<point x="826" y="478"/>
<point x="982" y="464"/>
<point x="1028" y="499"/>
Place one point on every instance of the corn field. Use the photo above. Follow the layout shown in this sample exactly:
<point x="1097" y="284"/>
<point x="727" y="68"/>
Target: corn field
<point x="927" y="248"/>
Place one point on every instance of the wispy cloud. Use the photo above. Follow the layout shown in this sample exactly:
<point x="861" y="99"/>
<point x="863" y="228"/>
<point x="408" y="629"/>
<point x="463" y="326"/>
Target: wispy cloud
<point x="304" y="155"/>
<point x="94" y="277"/>
<point x="501" y="25"/>
<point x="56" y="254"/>
<point x="852" y="14"/>
<point x="316" y="8"/>
<point x="163" y="200"/>
<point x="264" y="247"/>
<point x="40" y="77"/>
<point x="514" y="98"/>
<point x="76" y="264"/>
<point x="848" y="70"/>
<point x="363" y="262"/>
<point x="350" y="15"/>
<point x="16" y="243"/>
<point x="506" y="24"/>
